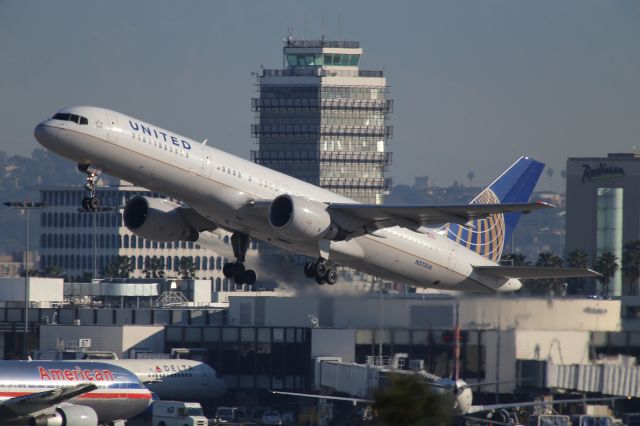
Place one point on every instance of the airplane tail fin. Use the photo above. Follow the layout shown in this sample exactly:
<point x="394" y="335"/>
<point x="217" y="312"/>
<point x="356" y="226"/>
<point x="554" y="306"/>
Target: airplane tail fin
<point x="488" y="236"/>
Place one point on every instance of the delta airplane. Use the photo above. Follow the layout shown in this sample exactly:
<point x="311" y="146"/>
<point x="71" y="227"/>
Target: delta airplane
<point x="398" y="243"/>
<point x="57" y="393"/>
<point x="175" y="379"/>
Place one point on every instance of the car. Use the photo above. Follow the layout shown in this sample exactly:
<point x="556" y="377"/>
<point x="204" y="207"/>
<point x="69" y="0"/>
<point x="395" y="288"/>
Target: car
<point x="271" y="417"/>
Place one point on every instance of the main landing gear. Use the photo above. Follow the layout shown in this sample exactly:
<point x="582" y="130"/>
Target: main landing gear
<point x="240" y="243"/>
<point x="91" y="202"/>
<point x="321" y="271"/>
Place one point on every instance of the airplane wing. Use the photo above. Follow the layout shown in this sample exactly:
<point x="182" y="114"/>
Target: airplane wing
<point x="28" y="404"/>
<point x="483" y="408"/>
<point x="533" y="272"/>
<point x="420" y="215"/>
<point x="337" y="398"/>
<point x="378" y="216"/>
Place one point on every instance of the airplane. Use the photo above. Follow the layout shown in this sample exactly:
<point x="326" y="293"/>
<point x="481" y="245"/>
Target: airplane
<point x="221" y="191"/>
<point x="56" y="393"/>
<point x="175" y="379"/>
<point x="460" y="395"/>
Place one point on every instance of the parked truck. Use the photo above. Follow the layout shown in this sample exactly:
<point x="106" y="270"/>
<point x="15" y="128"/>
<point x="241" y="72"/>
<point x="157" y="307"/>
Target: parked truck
<point x="176" y="413"/>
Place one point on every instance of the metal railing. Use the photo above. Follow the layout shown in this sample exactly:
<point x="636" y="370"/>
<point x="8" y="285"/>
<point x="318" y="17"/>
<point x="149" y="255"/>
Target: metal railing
<point x="308" y="104"/>
<point x="258" y="130"/>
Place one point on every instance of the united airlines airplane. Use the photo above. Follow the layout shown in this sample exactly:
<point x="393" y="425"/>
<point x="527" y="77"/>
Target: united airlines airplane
<point x="398" y="243"/>
<point x="57" y="393"/>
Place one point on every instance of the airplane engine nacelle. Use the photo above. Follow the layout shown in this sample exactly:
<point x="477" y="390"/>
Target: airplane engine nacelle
<point x="301" y="219"/>
<point x="158" y="220"/>
<point x="68" y="415"/>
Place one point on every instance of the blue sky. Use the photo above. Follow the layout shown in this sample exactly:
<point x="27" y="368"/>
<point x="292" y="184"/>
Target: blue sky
<point x="475" y="83"/>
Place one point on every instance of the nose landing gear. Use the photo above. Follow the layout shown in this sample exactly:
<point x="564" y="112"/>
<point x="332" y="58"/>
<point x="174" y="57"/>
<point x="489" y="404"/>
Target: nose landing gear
<point x="236" y="270"/>
<point x="90" y="202"/>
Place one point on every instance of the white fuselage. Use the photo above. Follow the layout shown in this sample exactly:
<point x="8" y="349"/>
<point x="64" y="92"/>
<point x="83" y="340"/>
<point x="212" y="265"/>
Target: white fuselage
<point x="221" y="186"/>
<point x="175" y="379"/>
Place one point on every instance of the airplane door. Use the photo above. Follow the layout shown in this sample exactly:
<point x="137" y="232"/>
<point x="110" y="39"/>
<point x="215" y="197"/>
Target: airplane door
<point x="112" y="128"/>
<point x="453" y="258"/>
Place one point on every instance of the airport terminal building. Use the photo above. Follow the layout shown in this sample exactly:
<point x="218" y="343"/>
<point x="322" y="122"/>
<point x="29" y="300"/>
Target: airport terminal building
<point x="603" y="206"/>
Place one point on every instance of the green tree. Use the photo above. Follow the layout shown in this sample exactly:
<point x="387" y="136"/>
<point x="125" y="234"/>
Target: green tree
<point x="547" y="285"/>
<point x="186" y="267"/>
<point x="409" y="401"/>
<point x="607" y="265"/>
<point x="154" y="267"/>
<point x="631" y="263"/>
<point x="577" y="259"/>
<point x="53" y="272"/>
<point x="120" y="267"/>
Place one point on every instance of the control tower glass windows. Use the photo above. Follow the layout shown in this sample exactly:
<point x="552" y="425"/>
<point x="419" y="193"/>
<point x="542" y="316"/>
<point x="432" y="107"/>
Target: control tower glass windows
<point x="318" y="59"/>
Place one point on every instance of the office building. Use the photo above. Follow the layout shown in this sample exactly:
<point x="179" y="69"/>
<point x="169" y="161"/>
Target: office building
<point x="80" y="243"/>
<point x="603" y="207"/>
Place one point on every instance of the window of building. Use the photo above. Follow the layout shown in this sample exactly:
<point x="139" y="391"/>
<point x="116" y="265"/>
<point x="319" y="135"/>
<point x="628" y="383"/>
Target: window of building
<point x="126" y="241"/>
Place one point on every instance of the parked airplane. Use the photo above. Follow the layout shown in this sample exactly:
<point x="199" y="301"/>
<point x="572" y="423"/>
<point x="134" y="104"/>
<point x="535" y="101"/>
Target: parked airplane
<point x="175" y="379"/>
<point x="252" y="201"/>
<point x="460" y="394"/>
<point x="55" y="393"/>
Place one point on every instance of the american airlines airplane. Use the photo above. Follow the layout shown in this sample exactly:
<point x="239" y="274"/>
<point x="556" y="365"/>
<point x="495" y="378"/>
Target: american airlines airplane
<point x="220" y="190"/>
<point x="56" y="393"/>
<point x="175" y="379"/>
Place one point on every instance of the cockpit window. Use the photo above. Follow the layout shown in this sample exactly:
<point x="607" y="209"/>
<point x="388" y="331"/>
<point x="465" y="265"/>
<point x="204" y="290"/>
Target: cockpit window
<point x="71" y="117"/>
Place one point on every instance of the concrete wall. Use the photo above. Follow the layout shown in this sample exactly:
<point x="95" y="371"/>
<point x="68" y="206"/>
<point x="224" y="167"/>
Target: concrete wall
<point x="475" y="313"/>
<point x="40" y="290"/>
<point x="334" y="343"/>
<point x="559" y="347"/>
<point x="113" y="338"/>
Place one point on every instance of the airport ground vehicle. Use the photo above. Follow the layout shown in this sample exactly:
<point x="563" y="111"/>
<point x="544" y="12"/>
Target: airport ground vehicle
<point x="271" y="417"/>
<point x="176" y="413"/>
<point x="229" y="414"/>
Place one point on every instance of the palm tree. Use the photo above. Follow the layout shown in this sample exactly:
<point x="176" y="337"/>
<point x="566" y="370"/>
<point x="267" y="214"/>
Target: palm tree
<point x="548" y="285"/>
<point x="631" y="262"/>
<point x="154" y="267"/>
<point x="187" y="267"/>
<point x="120" y="267"/>
<point x="607" y="265"/>
<point x="410" y="401"/>
<point x="577" y="259"/>
<point x="53" y="272"/>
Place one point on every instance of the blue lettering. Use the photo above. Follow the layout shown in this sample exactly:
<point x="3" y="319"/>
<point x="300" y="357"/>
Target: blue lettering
<point x="145" y="130"/>
<point x="423" y="264"/>
<point x="155" y="133"/>
<point x="132" y="126"/>
<point x="185" y="144"/>
<point x="164" y="135"/>
<point x="174" y="141"/>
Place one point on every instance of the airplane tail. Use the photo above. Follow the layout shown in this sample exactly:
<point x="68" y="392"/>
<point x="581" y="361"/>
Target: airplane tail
<point x="489" y="236"/>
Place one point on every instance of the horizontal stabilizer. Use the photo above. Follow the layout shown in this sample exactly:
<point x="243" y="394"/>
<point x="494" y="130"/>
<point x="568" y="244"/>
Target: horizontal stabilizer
<point x="533" y="272"/>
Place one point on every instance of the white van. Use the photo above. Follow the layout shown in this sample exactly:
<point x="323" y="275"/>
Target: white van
<point x="176" y="413"/>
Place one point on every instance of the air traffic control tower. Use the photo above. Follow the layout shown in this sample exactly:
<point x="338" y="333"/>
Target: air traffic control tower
<point x="323" y="120"/>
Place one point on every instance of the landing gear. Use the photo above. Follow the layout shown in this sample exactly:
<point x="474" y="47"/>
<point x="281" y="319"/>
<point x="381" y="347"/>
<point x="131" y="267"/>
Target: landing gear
<point x="236" y="270"/>
<point x="321" y="271"/>
<point x="91" y="202"/>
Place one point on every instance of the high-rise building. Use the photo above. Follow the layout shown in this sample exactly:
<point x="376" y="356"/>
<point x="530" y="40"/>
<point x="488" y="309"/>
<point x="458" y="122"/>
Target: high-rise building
<point x="79" y="242"/>
<point x="324" y="120"/>
<point x="603" y="209"/>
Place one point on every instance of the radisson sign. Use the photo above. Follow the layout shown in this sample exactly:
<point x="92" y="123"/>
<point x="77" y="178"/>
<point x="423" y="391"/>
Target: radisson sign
<point x="601" y="172"/>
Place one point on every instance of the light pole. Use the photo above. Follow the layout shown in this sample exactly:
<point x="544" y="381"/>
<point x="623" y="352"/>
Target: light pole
<point x="94" y="217"/>
<point x="26" y="206"/>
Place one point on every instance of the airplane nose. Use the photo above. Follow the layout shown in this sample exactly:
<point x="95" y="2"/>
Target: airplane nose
<point x="45" y="134"/>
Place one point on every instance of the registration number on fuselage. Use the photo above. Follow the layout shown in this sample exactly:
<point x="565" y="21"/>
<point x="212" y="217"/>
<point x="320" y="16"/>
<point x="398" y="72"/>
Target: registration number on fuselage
<point x="423" y="264"/>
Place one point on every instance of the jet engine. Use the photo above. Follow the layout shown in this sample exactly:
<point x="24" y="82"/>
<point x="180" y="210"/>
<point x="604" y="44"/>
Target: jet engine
<point x="67" y="415"/>
<point x="301" y="219"/>
<point x="158" y="220"/>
